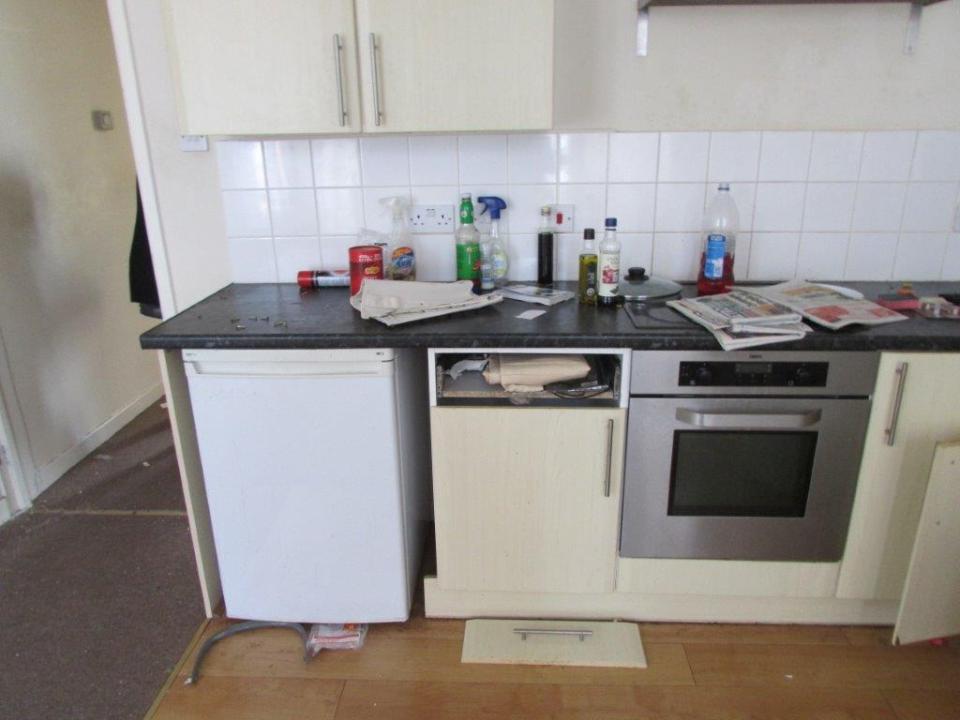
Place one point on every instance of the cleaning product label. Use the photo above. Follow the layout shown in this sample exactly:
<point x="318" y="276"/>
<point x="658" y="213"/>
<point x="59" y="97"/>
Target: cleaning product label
<point x="609" y="274"/>
<point x="468" y="261"/>
<point x="713" y="263"/>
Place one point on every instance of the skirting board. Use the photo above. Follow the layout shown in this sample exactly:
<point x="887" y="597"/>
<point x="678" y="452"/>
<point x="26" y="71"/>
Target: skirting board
<point x="45" y="476"/>
<point x="657" y="608"/>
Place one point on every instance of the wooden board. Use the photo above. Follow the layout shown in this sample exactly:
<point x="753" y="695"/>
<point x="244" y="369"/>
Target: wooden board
<point x="600" y="644"/>
<point x="930" y="607"/>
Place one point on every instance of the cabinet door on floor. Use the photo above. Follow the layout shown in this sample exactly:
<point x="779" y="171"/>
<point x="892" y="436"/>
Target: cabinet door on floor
<point x="456" y="64"/>
<point x="264" y="66"/>
<point x="522" y="498"/>
<point x="917" y="398"/>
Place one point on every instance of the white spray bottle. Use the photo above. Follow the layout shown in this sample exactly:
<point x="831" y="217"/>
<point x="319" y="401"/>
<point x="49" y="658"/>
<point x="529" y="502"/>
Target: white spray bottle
<point x="495" y="249"/>
<point x="398" y="260"/>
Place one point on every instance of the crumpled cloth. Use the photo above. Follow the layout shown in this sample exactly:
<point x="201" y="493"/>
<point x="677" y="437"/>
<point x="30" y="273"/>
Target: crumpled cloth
<point x="529" y="373"/>
<point x="394" y="302"/>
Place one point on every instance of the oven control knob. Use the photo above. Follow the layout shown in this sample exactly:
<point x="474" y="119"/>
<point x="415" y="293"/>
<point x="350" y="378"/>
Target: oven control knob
<point x="802" y="376"/>
<point x="703" y="376"/>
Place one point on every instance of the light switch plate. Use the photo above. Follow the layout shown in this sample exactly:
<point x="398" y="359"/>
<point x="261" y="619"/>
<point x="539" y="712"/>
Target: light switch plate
<point x="431" y="218"/>
<point x="194" y="143"/>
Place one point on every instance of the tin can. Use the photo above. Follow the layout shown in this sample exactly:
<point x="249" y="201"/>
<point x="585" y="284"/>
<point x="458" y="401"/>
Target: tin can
<point x="366" y="262"/>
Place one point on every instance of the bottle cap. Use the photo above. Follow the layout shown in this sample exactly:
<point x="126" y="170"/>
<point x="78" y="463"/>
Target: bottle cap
<point x="611" y="223"/>
<point x="588" y="234"/>
<point x="305" y="278"/>
<point x="465" y="196"/>
<point x="545" y="210"/>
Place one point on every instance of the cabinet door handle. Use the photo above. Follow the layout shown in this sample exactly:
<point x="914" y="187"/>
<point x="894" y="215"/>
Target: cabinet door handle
<point x="890" y="432"/>
<point x="575" y="632"/>
<point x="338" y="65"/>
<point x="609" y="474"/>
<point x="375" y="75"/>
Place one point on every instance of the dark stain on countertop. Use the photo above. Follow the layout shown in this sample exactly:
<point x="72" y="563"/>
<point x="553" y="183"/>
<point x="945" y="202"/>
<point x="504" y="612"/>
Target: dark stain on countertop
<point x="282" y="316"/>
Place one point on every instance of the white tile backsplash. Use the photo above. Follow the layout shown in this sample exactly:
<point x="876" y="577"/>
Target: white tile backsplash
<point x="828" y="206"/>
<point x="288" y="163"/>
<point x="532" y="158"/>
<point x="779" y="207"/>
<point x="385" y="161"/>
<point x="887" y="155"/>
<point x="683" y="156"/>
<point x="433" y="160"/>
<point x="241" y="165"/>
<point x="734" y="156"/>
<point x="835" y="156"/>
<point x="937" y="156"/>
<point x="336" y="162"/>
<point x="821" y="205"/>
<point x="582" y="157"/>
<point x="679" y="206"/>
<point x="633" y="157"/>
<point x="293" y="212"/>
<point x="785" y="156"/>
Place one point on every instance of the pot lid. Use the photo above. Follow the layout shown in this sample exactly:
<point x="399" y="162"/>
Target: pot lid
<point x="637" y="286"/>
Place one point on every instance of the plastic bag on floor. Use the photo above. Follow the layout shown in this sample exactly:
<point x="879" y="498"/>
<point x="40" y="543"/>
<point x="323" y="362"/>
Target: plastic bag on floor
<point x="323" y="636"/>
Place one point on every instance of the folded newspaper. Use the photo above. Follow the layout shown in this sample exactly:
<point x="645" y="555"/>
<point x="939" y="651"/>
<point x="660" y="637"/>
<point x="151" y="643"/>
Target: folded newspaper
<point x="745" y="318"/>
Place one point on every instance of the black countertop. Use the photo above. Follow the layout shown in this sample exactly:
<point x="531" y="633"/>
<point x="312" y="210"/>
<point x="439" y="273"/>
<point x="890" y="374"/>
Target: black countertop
<point x="283" y="316"/>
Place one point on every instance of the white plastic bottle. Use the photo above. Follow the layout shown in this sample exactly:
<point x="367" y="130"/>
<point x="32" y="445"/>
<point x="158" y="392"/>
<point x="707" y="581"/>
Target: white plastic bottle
<point x="720" y="225"/>
<point x="608" y="271"/>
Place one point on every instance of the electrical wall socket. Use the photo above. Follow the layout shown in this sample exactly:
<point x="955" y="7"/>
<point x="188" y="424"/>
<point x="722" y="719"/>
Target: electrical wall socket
<point x="431" y="218"/>
<point x="567" y="212"/>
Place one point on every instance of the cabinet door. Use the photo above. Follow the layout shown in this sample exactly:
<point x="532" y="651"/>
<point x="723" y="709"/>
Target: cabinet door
<point x="522" y="500"/>
<point x="264" y="66"/>
<point x="893" y="476"/>
<point x="456" y="64"/>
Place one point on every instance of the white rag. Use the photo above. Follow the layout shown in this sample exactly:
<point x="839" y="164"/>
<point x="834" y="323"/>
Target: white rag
<point x="394" y="302"/>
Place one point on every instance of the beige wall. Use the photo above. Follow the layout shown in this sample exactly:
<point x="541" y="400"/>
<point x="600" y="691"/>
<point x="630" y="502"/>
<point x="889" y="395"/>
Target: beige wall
<point x="67" y="207"/>
<point x="757" y="67"/>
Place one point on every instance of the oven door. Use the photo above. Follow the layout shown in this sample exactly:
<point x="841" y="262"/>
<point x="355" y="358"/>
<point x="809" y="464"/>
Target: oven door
<point x="741" y="478"/>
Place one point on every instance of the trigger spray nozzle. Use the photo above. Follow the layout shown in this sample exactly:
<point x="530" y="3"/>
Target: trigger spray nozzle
<point x="492" y="203"/>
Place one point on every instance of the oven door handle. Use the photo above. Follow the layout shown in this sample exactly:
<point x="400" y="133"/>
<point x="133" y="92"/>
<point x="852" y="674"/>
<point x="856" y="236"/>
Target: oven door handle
<point x="763" y="420"/>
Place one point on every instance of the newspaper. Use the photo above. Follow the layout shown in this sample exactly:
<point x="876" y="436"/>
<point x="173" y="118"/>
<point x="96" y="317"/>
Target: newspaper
<point x="737" y="307"/>
<point x="826" y="306"/>
<point x="742" y="319"/>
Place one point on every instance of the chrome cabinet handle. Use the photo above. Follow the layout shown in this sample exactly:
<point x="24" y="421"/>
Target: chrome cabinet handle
<point x="523" y="632"/>
<point x="890" y="431"/>
<point x="338" y="65"/>
<point x="375" y="74"/>
<point x="607" y="478"/>
<point x="740" y="419"/>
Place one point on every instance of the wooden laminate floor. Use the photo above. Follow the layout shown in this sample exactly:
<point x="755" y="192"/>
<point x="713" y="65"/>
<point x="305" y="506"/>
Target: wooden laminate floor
<point x="715" y="672"/>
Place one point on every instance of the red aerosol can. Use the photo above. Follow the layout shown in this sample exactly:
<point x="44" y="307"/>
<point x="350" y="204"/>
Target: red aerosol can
<point x="366" y="262"/>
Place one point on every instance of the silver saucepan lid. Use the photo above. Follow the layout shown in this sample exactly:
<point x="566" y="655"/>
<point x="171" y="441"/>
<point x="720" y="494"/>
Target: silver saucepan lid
<point x="637" y="286"/>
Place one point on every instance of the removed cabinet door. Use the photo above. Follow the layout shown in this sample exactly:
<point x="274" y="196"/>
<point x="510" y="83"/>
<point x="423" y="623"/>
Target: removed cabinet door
<point x="527" y="500"/>
<point x="245" y="67"/>
<point x="930" y="607"/>
<point x="456" y="64"/>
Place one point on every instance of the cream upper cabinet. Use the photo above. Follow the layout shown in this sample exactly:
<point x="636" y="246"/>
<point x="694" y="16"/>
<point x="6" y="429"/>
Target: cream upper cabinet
<point x="527" y="499"/>
<point x="915" y="406"/>
<point x="431" y="65"/>
<point x="245" y="67"/>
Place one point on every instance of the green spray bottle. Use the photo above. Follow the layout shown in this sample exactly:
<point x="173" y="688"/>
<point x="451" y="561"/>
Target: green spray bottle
<point x="468" y="244"/>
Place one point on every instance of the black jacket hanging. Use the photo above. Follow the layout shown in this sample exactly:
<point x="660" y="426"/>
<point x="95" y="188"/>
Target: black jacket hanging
<point x="143" y="283"/>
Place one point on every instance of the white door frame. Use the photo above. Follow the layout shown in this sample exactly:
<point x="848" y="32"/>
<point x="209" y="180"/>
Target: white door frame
<point x="13" y="480"/>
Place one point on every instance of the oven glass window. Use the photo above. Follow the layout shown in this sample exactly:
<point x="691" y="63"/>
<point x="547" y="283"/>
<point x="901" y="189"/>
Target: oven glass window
<point x="741" y="473"/>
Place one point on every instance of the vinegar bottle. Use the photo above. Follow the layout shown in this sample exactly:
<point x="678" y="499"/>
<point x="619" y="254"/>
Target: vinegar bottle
<point x="720" y="224"/>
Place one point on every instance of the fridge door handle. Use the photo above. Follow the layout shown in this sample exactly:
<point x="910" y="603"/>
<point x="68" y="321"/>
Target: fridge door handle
<point x="764" y="420"/>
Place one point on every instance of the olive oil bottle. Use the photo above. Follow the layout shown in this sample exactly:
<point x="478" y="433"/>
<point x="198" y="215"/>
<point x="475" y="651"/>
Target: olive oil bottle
<point x="587" y="291"/>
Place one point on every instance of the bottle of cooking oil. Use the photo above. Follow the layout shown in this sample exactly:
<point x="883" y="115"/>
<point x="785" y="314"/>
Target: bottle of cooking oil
<point x="588" y="269"/>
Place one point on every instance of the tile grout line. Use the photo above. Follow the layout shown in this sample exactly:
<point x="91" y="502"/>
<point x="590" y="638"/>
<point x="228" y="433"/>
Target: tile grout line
<point x="110" y="513"/>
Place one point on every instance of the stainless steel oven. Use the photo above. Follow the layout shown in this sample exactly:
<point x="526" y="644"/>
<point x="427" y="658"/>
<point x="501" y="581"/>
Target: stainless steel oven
<point x="743" y="455"/>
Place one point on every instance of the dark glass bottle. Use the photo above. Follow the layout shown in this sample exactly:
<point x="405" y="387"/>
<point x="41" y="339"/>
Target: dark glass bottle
<point x="545" y="248"/>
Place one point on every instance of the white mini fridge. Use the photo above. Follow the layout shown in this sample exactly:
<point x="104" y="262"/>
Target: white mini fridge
<point x="316" y="467"/>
